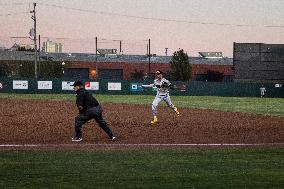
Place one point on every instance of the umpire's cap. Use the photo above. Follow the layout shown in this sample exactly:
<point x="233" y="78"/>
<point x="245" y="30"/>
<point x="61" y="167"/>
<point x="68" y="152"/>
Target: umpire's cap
<point x="77" y="83"/>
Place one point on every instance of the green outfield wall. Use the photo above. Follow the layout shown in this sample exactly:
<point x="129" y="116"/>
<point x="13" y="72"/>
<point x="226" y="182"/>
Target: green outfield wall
<point x="193" y="88"/>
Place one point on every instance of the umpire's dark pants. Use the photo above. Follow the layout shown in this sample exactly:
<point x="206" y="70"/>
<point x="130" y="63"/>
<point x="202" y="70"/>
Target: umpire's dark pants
<point x="91" y="113"/>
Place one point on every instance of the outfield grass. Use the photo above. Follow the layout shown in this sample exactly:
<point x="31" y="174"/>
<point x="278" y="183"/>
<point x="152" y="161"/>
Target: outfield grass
<point x="263" y="106"/>
<point x="166" y="168"/>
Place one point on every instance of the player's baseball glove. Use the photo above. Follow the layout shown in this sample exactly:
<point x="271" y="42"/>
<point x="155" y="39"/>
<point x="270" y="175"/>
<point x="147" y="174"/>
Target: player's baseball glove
<point x="167" y="86"/>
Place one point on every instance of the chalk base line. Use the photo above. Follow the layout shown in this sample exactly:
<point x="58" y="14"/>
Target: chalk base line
<point x="81" y="144"/>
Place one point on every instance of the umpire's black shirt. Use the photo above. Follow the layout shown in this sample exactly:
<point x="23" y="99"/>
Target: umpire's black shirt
<point x="85" y="99"/>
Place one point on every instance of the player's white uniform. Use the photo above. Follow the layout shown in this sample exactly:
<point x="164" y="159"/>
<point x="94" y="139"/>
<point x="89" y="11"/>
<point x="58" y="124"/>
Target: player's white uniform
<point x="162" y="94"/>
<point x="262" y="91"/>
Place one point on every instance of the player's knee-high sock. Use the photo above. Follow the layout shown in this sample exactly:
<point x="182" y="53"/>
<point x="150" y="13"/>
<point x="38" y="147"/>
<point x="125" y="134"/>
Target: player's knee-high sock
<point x="154" y="110"/>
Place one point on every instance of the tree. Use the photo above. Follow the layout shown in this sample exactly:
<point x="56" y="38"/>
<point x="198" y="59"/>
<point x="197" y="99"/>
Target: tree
<point x="5" y="70"/>
<point x="180" y="69"/>
<point x="25" y="49"/>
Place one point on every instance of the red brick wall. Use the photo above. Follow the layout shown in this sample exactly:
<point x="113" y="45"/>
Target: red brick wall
<point x="129" y="68"/>
<point x="203" y="68"/>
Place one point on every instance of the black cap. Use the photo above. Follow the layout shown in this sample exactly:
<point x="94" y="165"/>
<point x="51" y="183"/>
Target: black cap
<point x="77" y="83"/>
<point x="158" y="72"/>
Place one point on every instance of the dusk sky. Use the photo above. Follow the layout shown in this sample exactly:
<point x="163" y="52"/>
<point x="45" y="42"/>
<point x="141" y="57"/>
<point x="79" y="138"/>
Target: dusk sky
<point x="192" y="25"/>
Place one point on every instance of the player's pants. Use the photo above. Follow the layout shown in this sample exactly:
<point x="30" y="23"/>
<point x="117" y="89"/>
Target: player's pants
<point x="158" y="99"/>
<point x="262" y="93"/>
<point x="91" y="113"/>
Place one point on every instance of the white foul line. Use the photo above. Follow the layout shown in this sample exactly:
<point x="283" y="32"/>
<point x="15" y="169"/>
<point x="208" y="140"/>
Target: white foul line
<point x="81" y="144"/>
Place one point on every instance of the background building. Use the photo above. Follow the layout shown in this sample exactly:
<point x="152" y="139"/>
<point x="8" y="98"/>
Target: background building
<point x="122" y="67"/>
<point x="258" y="62"/>
<point x="22" y="47"/>
<point x="52" y="47"/>
<point x="211" y="54"/>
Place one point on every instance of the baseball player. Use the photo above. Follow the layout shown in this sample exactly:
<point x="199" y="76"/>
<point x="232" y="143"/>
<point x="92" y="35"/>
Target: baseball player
<point x="262" y="91"/>
<point x="89" y="108"/>
<point x="163" y="86"/>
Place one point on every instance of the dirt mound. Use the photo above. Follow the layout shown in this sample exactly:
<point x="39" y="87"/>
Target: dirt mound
<point x="52" y="122"/>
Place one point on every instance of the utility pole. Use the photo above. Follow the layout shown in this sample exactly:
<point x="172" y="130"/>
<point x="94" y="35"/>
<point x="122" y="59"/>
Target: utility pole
<point x="39" y="56"/>
<point x="166" y="51"/>
<point x="96" y="43"/>
<point x="120" y="47"/>
<point x="35" y="44"/>
<point x="149" y="50"/>
<point x="97" y="58"/>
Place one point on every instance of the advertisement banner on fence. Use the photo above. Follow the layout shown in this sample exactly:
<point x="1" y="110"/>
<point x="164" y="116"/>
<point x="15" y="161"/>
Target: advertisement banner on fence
<point x="136" y="87"/>
<point x="20" y="84"/>
<point x="93" y="86"/>
<point x="66" y="85"/>
<point x="180" y="87"/>
<point x="114" y="86"/>
<point x="44" y="84"/>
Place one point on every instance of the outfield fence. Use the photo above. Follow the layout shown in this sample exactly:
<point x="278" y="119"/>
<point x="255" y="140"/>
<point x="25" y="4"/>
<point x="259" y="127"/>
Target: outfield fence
<point x="121" y="87"/>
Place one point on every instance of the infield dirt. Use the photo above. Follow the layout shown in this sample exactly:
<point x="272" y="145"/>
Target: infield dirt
<point x="52" y="122"/>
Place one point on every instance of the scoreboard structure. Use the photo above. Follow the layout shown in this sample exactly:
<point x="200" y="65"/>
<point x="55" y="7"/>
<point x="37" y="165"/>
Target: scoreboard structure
<point x="258" y="63"/>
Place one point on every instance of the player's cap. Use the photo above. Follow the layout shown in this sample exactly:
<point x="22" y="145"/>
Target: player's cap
<point x="77" y="83"/>
<point x="158" y="72"/>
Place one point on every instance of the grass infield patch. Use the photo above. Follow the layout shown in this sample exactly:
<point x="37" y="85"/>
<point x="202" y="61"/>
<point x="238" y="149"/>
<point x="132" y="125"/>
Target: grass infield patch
<point x="147" y="168"/>
<point x="253" y="105"/>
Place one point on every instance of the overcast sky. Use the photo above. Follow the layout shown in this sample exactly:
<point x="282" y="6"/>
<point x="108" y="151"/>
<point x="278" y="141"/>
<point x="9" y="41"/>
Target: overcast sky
<point x="193" y="25"/>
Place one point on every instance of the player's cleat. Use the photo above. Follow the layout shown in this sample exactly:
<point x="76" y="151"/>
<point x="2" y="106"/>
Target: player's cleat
<point x="155" y="120"/>
<point x="177" y="113"/>
<point x="113" y="138"/>
<point x="77" y="139"/>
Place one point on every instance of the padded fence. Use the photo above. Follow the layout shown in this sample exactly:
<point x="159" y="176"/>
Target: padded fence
<point x="122" y="87"/>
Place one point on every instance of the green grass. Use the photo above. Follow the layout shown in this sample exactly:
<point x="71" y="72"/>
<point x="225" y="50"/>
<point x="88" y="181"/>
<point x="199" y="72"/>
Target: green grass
<point x="151" y="168"/>
<point x="262" y="106"/>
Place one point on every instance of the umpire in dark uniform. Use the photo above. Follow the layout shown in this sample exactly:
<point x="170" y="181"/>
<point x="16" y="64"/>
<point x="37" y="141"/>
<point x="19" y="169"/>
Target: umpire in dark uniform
<point x="89" y="108"/>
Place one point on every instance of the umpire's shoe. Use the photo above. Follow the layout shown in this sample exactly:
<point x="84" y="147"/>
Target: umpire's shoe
<point x="77" y="139"/>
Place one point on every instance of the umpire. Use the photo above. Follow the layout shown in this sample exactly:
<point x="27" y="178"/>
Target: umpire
<point x="89" y="108"/>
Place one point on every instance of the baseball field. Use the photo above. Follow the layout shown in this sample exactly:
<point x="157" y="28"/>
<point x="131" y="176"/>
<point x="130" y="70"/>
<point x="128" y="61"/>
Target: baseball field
<point x="217" y="142"/>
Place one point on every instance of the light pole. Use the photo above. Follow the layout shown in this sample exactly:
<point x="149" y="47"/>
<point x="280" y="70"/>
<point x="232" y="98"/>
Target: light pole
<point x="120" y="45"/>
<point x="35" y="44"/>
